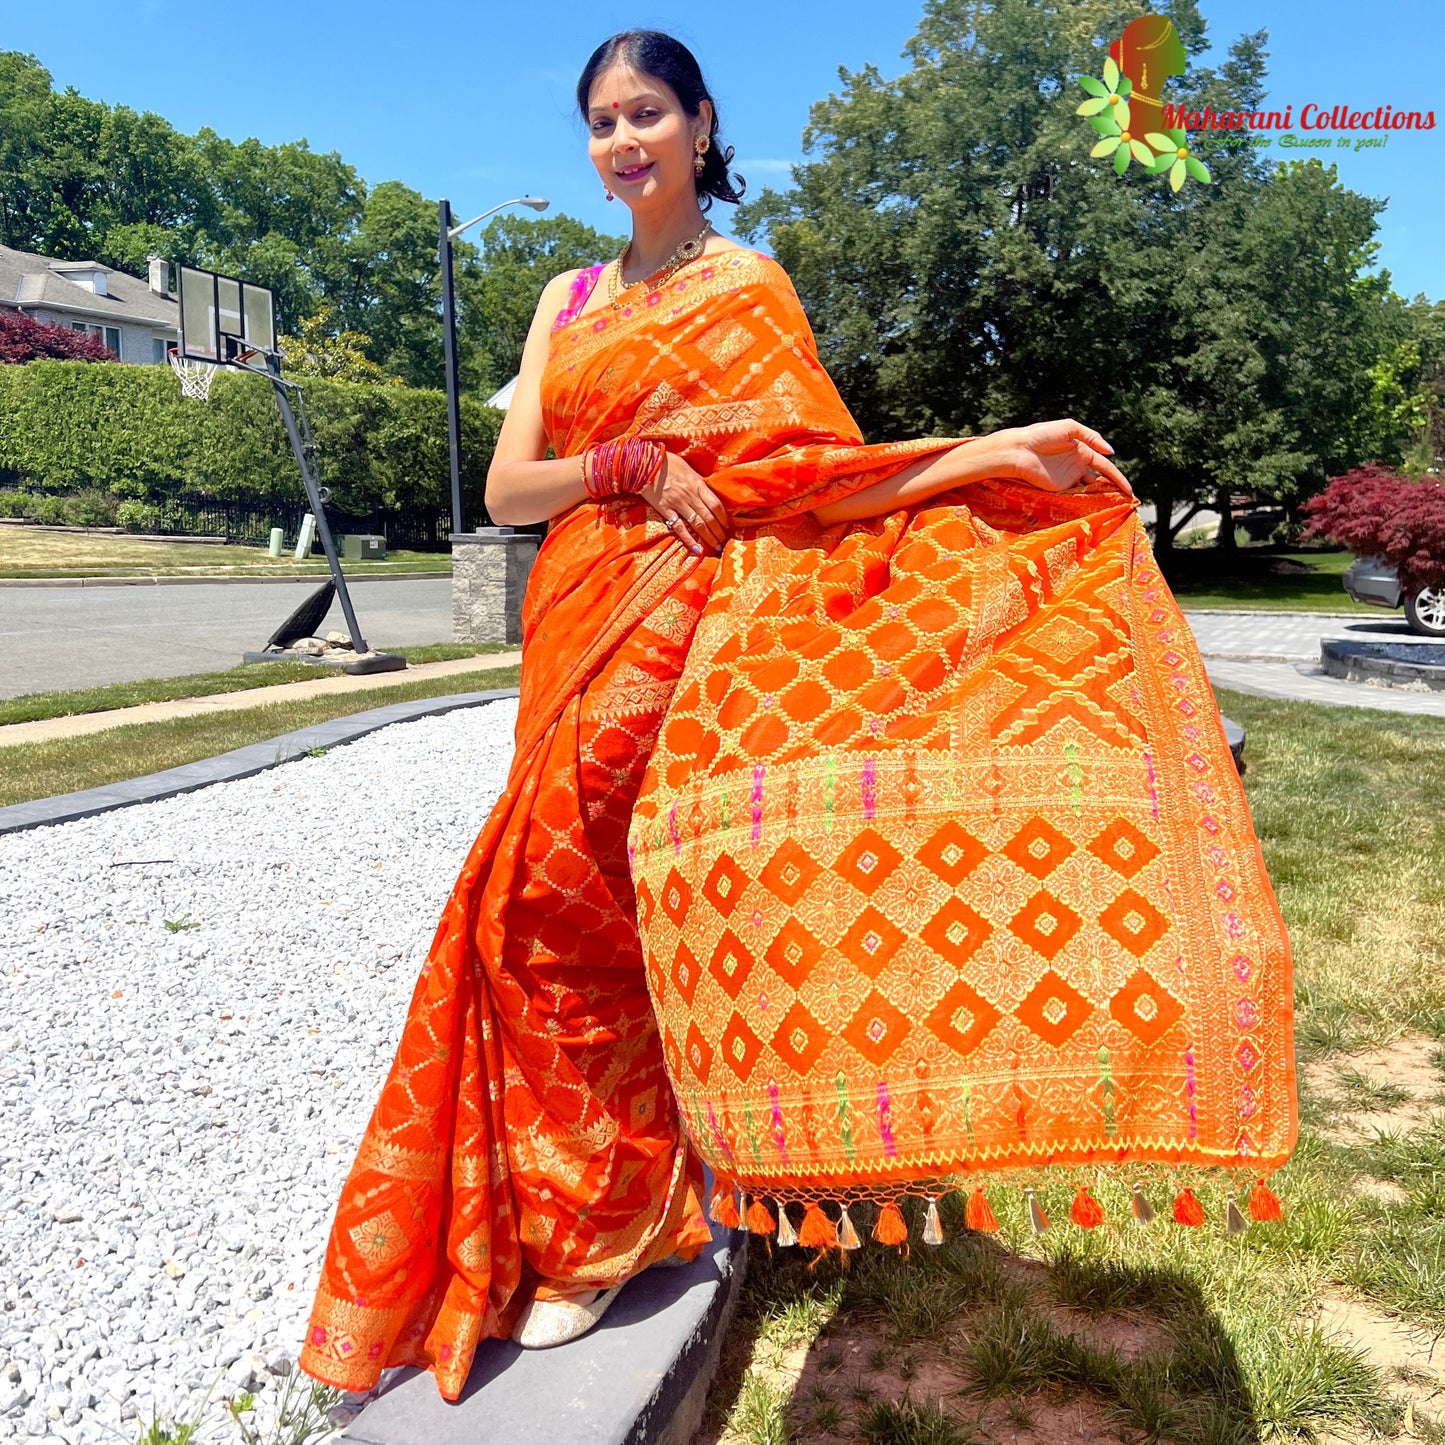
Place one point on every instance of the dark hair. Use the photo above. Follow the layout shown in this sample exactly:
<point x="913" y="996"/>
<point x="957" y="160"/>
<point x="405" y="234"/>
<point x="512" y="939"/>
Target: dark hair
<point x="670" y="61"/>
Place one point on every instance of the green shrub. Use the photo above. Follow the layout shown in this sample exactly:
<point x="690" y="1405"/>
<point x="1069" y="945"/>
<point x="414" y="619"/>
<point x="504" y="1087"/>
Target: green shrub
<point x="126" y="434"/>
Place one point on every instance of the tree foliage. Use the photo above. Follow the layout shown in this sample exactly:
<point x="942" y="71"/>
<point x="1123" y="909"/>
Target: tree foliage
<point x="967" y="266"/>
<point x="82" y="180"/>
<point x="1376" y="513"/>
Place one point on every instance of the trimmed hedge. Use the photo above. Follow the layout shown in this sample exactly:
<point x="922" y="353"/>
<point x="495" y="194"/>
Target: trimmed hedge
<point x="126" y="432"/>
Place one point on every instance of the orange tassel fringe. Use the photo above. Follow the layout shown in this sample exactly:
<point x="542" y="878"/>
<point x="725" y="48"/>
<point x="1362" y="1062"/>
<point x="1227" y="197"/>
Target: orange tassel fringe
<point x="818" y="1231"/>
<point x="1086" y="1211"/>
<point x="1187" y="1209"/>
<point x="1263" y="1203"/>
<point x="758" y="1220"/>
<point x="978" y="1213"/>
<point x="890" y="1228"/>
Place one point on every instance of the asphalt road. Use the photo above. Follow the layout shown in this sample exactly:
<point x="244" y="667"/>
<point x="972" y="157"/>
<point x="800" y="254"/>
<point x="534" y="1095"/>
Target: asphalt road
<point x="69" y="637"/>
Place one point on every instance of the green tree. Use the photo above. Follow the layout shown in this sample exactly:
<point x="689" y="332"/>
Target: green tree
<point x="391" y="284"/>
<point x="967" y="265"/>
<point x="320" y="347"/>
<point x="497" y="292"/>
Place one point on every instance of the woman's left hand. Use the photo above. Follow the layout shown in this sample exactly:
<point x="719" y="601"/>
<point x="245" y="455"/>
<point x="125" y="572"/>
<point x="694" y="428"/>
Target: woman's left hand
<point x="1059" y="456"/>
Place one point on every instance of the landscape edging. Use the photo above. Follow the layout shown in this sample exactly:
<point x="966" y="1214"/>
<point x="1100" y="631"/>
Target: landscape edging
<point x="239" y="763"/>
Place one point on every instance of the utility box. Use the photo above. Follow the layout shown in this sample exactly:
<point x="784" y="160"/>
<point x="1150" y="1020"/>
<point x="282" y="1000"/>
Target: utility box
<point x="357" y="547"/>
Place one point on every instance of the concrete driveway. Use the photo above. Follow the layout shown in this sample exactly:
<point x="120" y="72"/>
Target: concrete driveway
<point x="68" y="637"/>
<point x="1278" y="655"/>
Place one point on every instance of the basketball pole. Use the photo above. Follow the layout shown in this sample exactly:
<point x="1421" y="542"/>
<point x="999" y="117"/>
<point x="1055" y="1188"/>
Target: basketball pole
<point x="318" y="510"/>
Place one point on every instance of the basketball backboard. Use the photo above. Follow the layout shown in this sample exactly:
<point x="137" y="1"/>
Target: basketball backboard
<point x="224" y="320"/>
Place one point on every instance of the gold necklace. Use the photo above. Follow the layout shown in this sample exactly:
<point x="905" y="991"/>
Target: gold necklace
<point x="688" y="250"/>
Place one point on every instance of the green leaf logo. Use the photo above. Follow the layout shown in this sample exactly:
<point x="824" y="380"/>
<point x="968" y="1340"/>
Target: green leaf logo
<point x="1110" y="112"/>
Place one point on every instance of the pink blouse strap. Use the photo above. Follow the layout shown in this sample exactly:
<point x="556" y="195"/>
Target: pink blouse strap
<point x="582" y="284"/>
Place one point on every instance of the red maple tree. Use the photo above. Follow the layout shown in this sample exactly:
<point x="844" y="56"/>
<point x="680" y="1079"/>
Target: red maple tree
<point x="23" y="338"/>
<point x="1375" y="512"/>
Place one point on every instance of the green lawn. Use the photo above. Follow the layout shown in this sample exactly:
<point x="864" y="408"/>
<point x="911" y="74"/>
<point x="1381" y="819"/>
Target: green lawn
<point x="1202" y="578"/>
<point x="34" y="706"/>
<point x="33" y="552"/>
<point x="41" y="770"/>
<point x="1193" y="1336"/>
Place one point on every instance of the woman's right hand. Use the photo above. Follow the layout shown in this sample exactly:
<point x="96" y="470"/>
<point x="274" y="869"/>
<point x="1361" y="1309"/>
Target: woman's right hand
<point x="695" y="513"/>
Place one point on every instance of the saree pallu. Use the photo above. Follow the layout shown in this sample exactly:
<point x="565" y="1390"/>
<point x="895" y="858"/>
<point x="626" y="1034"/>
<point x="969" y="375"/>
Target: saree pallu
<point x="946" y="875"/>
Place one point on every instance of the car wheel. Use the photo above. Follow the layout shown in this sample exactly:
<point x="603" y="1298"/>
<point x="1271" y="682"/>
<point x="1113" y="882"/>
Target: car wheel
<point x="1425" y="611"/>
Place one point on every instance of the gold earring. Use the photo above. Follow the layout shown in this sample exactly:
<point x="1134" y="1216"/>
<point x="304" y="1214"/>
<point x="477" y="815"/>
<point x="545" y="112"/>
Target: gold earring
<point x="607" y="193"/>
<point x="697" y="161"/>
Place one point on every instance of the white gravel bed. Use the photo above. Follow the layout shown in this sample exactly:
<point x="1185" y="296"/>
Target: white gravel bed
<point x="179" y="1104"/>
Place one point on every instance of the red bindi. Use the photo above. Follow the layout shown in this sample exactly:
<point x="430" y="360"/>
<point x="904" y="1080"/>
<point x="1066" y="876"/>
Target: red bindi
<point x="615" y="105"/>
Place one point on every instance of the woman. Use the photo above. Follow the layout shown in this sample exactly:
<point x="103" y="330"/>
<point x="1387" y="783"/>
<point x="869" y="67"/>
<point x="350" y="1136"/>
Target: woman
<point x="526" y="1156"/>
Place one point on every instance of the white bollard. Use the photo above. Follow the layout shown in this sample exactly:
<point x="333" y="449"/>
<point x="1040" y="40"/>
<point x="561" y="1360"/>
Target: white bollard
<point x="307" y="537"/>
<point x="278" y="542"/>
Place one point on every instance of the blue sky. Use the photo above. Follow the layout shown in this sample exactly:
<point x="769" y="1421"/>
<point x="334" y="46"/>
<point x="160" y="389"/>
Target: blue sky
<point x="475" y="101"/>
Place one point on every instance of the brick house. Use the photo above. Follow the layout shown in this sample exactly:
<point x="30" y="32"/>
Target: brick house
<point x="137" y="319"/>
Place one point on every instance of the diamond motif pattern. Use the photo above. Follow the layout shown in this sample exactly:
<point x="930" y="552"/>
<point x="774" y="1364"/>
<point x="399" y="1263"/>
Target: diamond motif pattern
<point x="1145" y="1008"/>
<point x="1124" y="848"/>
<point x="740" y="1047"/>
<point x="867" y="861"/>
<point x="676" y="897"/>
<point x="724" y="885"/>
<point x="963" y="1017"/>
<point x="952" y="853"/>
<point x="730" y="964"/>
<point x="793" y="953"/>
<point x="800" y="1039"/>
<point x="698" y="1053"/>
<point x="1046" y="924"/>
<point x="685" y="973"/>
<point x="1038" y="848"/>
<point x="1054" y="1009"/>
<point x="871" y="942"/>
<point x="876" y="1029"/>
<point x="956" y="932"/>
<point x="790" y="871"/>
<point x="1135" y="922"/>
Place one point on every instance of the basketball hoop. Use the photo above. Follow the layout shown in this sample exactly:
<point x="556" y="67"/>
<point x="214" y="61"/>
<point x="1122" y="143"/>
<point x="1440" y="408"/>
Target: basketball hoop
<point x="195" y="376"/>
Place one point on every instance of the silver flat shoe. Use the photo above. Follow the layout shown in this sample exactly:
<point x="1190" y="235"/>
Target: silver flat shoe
<point x="545" y="1323"/>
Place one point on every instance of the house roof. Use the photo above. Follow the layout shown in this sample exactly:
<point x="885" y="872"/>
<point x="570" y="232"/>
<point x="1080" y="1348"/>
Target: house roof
<point x="29" y="280"/>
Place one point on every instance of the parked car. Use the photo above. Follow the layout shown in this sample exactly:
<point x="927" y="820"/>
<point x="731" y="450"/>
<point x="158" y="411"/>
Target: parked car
<point x="1373" y="580"/>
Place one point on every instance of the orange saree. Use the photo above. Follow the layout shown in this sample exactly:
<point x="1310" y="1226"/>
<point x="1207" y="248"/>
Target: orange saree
<point x="691" y="731"/>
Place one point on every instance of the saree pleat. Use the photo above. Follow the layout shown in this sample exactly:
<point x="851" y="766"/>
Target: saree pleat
<point x="919" y="836"/>
<point x="526" y="1127"/>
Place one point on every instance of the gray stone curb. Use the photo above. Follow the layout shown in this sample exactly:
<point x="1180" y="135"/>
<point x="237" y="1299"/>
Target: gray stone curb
<point x="1369" y="661"/>
<point x="241" y="763"/>
<point x="317" y="577"/>
<point x="1276" y="612"/>
<point x="640" y="1377"/>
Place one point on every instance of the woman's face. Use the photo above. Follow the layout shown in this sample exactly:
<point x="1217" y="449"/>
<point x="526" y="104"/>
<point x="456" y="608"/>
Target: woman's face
<point x="641" y="139"/>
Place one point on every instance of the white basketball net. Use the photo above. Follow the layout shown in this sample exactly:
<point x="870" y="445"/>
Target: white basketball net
<point x="195" y="376"/>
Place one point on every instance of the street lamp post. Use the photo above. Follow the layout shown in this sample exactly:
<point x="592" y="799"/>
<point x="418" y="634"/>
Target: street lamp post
<point x="449" y="233"/>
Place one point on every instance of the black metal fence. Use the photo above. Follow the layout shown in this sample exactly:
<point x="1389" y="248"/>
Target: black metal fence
<point x="413" y="529"/>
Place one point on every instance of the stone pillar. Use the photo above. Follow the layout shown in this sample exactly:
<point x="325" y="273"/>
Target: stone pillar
<point x="490" y="568"/>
